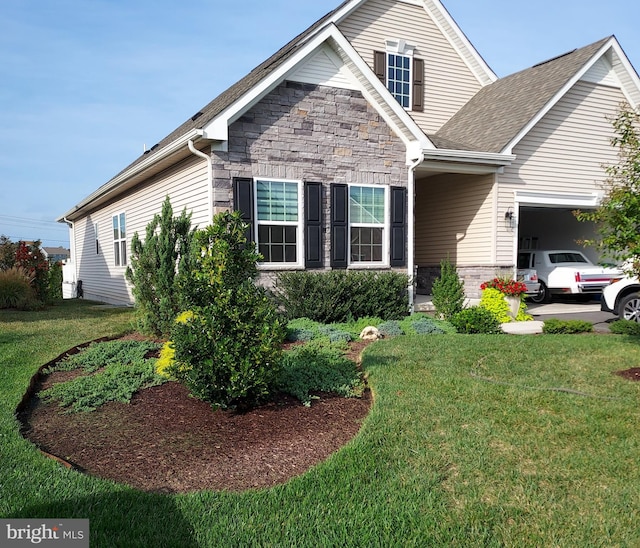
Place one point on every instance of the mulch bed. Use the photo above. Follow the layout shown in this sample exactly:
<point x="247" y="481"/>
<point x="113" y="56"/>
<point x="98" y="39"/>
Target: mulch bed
<point x="167" y="441"/>
<point x="632" y="374"/>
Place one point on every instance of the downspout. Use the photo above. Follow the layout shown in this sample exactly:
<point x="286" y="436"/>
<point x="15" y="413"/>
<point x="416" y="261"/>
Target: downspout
<point x="411" y="229"/>
<point x="210" y="190"/>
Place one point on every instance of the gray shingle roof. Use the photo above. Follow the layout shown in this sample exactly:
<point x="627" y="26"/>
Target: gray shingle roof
<point x="499" y="111"/>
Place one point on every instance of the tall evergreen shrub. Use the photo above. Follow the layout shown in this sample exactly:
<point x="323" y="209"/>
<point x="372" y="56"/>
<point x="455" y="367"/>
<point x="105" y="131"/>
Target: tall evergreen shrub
<point x="448" y="291"/>
<point x="228" y="347"/>
<point x="155" y="263"/>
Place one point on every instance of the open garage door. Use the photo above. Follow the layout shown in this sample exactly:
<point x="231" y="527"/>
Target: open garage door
<point x="554" y="228"/>
<point x="546" y="221"/>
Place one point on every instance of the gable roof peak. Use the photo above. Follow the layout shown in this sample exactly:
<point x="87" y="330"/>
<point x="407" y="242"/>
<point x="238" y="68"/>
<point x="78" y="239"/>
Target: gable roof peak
<point x="499" y="115"/>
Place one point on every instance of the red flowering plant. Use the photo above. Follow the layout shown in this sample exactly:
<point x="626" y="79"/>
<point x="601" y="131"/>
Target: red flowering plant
<point x="506" y="286"/>
<point x="31" y="258"/>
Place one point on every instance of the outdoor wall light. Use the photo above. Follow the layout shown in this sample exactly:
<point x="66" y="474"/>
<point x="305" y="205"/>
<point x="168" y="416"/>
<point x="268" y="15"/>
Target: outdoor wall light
<point x="509" y="219"/>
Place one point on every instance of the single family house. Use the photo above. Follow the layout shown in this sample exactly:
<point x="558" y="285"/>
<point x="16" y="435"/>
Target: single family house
<point x="377" y="139"/>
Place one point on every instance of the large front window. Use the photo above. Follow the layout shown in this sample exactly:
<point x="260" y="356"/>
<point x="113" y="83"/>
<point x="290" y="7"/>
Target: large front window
<point x="367" y="224"/>
<point x="278" y="221"/>
<point x="120" y="239"/>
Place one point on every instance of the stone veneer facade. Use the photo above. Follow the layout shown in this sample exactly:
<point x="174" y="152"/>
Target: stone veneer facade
<point x="310" y="133"/>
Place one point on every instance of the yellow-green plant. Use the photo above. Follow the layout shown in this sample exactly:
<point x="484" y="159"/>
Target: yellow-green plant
<point x="493" y="300"/>
<point x="166" y="359"/>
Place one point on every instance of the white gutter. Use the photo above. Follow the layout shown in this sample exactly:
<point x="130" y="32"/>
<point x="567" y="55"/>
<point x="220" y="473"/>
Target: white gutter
<point x="71" y="225"/>
<point x="411" y="227"/>
<point x="210" y="190"/>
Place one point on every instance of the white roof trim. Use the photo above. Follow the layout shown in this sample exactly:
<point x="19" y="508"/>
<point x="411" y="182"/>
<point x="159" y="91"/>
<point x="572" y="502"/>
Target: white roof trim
<point x="557" y="199"/>
<point x="218" y="128"/>
<point x="611" y="44"/>
<point x="629" y="77"/>
<point x="460" y="42"/>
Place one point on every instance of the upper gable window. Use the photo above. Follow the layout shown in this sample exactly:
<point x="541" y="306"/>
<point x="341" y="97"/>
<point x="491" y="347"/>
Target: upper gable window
<point x="399" y="78"/>
<point x="401" y="73"/>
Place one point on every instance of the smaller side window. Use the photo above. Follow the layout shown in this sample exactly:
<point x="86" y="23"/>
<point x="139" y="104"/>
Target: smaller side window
<point x="120" y="239"/>
<point x="96" y="234"/>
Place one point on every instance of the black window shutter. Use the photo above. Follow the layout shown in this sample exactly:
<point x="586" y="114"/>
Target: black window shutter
<point x="380" y="65"/>
<point x="339" y="225"/>
<point x="398" y="236"/>
<point x="243" y="202"/>
<point x="418" y="85"/>
<point x="313" y="225"/>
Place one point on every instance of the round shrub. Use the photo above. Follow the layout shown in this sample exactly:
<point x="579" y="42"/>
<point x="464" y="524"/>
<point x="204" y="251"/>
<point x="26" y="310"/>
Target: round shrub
<point x="625" y="327"/>
<point x="334" y="334"/>
<point x="390" y="329"/>
<point x="554" y="326"/>
<point x="228" y="353"/>
<point x="476" y="320"/>
<point x="424" y="326"/>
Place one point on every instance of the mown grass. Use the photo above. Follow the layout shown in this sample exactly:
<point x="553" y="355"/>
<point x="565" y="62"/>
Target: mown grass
<point x="472" y="441"/>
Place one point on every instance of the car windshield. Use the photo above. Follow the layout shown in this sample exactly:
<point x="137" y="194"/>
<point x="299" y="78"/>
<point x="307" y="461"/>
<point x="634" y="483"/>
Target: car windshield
<point x="567" y="257"/>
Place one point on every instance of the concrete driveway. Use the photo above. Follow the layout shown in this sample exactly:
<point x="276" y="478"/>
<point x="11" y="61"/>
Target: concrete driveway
<point x="573" y="310"/>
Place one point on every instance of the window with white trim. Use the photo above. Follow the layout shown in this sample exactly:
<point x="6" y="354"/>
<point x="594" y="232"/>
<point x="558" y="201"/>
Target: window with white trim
<point x="401" y="73"/>
<point x="278" y="221"/>
<point x="399" y="78"/>
<point x="120" y="239"/>
<point x="367" y="226"/>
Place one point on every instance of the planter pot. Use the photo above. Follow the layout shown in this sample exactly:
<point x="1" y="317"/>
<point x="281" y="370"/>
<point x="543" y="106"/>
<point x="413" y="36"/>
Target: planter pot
<point x="514" y="305"/>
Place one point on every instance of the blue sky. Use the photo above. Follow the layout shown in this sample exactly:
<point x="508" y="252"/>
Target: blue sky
<point x="86" y="84"/>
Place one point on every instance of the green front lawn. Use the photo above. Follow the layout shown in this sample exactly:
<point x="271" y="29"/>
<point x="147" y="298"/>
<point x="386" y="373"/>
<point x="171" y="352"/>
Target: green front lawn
<point x="472" y="441"/>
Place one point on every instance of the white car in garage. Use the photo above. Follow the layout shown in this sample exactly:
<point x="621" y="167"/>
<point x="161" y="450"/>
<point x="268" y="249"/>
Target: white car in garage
<point x="622" y="298"/>
<point x="566" y="272"/>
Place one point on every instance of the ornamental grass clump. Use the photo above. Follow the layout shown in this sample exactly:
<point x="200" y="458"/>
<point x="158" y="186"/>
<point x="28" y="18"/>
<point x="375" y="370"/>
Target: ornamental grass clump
<point x="15" y="288"/>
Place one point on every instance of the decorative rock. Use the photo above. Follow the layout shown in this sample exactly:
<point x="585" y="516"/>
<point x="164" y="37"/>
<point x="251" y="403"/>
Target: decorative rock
<point x="370" y="333"/>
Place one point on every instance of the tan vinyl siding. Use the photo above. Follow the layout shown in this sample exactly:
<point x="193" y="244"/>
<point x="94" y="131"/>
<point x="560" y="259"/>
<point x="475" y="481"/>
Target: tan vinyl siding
<point x="185" y="183"/>
<point x="449" y="83"/>
<point x="565" y="152"/>
<point x="454" y="217"/>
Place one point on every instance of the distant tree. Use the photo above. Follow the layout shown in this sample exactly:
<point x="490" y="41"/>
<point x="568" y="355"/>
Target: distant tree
<point x="618" y="216"/>
<point x="7" y="252"/>
<point x="155" y="263"/>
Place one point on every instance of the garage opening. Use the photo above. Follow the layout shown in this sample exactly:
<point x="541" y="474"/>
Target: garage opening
<point x="548" y="227"/>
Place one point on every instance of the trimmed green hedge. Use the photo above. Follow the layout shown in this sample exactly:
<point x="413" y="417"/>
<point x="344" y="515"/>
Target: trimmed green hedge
<point x="341" y="296"/>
